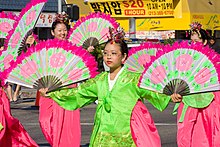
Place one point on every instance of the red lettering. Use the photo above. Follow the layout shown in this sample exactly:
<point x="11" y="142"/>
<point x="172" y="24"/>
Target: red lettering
<point x="126" y="4"/>
<point x="134" y="12"/>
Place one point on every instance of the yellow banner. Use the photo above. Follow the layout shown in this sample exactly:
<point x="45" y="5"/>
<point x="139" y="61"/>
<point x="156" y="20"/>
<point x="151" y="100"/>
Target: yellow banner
<point x="134" y="8"/>
<point x="208" y="21"/>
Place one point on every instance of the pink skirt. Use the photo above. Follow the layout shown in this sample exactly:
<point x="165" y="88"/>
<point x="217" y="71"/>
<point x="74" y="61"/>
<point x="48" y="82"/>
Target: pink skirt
<point x="143" y="129"/>
<point x="13" y="133"/>
<point x="201" y="127"/>
<point x="60" y="127"/>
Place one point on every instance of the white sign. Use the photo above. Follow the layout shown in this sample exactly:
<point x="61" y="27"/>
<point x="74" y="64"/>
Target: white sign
<point x="160" y="35"/>
<point x="44" y="20"/>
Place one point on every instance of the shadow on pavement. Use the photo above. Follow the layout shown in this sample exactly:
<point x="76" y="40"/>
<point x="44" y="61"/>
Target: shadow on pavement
<point x="44" y="145"/>
<point x="85" y="145"/>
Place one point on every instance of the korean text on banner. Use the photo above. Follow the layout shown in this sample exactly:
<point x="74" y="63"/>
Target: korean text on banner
<point x="134" y="8"/>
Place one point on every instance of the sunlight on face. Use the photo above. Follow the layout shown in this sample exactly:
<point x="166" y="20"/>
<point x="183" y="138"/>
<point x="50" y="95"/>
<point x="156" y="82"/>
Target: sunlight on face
<point x="60" y="31"/>
<point x="112" y="56"/>
<point x="212" y="41"/>
<point x="30" y="40"/>
<point x="1" y="48"/>
<point x="195" y="38"/>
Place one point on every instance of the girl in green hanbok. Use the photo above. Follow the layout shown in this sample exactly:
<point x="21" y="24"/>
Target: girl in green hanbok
<point x="121" y="117"/>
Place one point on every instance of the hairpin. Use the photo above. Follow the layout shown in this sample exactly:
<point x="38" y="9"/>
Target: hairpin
<point x="116" y="35"/>
<point x="196" y="27"/>
<point x="63" y="18"/>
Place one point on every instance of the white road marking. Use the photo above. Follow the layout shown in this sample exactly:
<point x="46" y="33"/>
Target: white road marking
<point x="165" y="124"/>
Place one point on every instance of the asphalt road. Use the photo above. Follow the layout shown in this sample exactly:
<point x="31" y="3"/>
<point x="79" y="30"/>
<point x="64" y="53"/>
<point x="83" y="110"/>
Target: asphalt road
<point x="27" y="113"/>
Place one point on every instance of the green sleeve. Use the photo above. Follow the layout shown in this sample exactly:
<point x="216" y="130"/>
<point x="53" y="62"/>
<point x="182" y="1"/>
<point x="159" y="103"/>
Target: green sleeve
<point x="159" y="101"/>
<point x="1" y="126"/>
<point x="74" y="98"/>
<point x="201" y="100"/>
<point x="198" y="100"/>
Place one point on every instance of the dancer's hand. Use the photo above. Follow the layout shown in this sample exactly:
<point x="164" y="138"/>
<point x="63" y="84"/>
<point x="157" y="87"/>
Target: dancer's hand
<point x="90" y="49"/>
<point x="176" y="98"/>
<point x="43" y="92"/>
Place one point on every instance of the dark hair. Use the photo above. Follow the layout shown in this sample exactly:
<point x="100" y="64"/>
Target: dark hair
<point x="202" y="34"/>
<point x="24" y="46"/>
<point x="123" y="46"/>
<point x="2" y="40"/>
<point x="55" y="23"/>
<point x="29" y="33"/>
<point x="211" y="38"/>
<point x="61" y="19"/>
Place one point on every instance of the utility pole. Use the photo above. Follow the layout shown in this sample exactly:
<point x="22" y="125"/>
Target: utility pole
<point x="132" y="28"/>
<point x="59" y="6"/>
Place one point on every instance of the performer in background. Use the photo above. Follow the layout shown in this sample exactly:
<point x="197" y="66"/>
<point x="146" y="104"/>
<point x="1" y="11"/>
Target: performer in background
<point x="12" y="133"/>
<point x="200" y="126"/>
<point x="60" y="127"/>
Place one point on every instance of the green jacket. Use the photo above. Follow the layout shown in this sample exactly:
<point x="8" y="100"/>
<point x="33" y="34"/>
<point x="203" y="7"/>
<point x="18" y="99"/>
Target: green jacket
<point x="112" y="120"/>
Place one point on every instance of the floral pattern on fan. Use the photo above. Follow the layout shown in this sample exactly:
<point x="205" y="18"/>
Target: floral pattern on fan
<point x="15" y="40"/>
<point x="158" y="75"/>
<point x="7" y="61"/>
<point x="141" y="55"/>
<point x="52" y="64"/>
<point x="30" y="17"/>
<point x="57" y="60"/>
<point x="93" y="26"/>
<point x="104" y="33"/>
<point x="5" y="27"/>
<point x="75" y="74"/>
<point x="183" y="69"/>
<point x="184" y="62"/>
<point x="28" y="69"/>
<point x="92" y="30"/>
<point x="78" y="38"/>
<point x="203" y="76"/>
<point x="6" y="23"/>
<point x="143" y="59"/>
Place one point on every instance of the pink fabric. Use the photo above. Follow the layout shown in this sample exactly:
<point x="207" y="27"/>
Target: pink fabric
<point x="60" y="127"/>
<point x="143" y="129"/>
<point x="13" y="134"/>
<point x="201" y="127"/>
